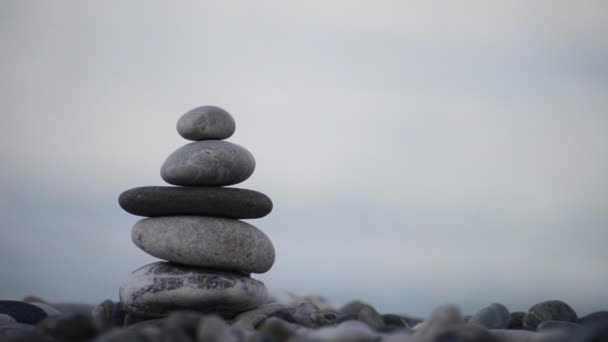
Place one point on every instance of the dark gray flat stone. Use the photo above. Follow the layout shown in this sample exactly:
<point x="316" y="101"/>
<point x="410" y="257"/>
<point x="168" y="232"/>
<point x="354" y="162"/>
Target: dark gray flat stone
<point x="22" y="312"/>
<point x="206" y="123"/>
<point x="234" y="203"/>
<point x="208" y="162"/>
<point x="211" y="242"/>
<point x="159" y="288"/>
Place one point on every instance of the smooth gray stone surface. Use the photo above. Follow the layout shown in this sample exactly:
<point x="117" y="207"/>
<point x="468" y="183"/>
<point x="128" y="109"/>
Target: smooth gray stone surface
<point x="158" y="288"/>
<point x="205" y="123"/>
<point x="551" y="310"/>
<point x="493" y="316"/>
<point x="234" y="203"/>
<point x="205" y="241"/>
<point x="568" y="327"/>
<point x="208" y="162"/>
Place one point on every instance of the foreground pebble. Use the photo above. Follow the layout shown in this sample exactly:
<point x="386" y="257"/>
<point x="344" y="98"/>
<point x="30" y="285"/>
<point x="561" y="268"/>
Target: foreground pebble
<point x="356" y="321"/>
<point x="552" y="310"/>
<point x="494" y="316"/>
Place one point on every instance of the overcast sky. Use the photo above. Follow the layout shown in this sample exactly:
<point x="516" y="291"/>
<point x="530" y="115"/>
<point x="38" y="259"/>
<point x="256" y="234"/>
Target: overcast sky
<point x="417" y="153"/>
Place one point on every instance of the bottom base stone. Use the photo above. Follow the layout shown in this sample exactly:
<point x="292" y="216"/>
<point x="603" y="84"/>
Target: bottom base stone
<point x="156" y="289"/>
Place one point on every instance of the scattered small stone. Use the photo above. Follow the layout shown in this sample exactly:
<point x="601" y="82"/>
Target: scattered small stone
<point x="69" y="327"/>
<point x="395" y="320"/>
<point x="103" y="315"/>
<point x="251" y="319"/>
<point x="594" y="317"/>
<point x="494" y="316"/>
<point x="466" y="333"/>
<point x="516" y="320"/>
<point x="206" y="123"/>
<point x="187" y="321"/>
<point x="353" y="307"/>
<point x="21" y="332"/>
<point x="371" y="317"/>
<point x="22" y="312"/>
<point x="347" y="317"/>
<point x="567" y="327"/>
<point x="592" y="332"/>
<point x="119" y="314"/>
<point x="324" y="317"/>
<point x="303" y="314"/>
<point x="277" y="329"/>
<point x="347" y="331"/>
<point x="319" y="301"/>
<point x="529" y="336"/>
<point x="437" y="322"/>
<point x="552" y="310"/>
<point x="213" y="329"/>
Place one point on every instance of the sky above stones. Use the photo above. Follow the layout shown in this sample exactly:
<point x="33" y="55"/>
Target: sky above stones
<point x="417" y="153"/>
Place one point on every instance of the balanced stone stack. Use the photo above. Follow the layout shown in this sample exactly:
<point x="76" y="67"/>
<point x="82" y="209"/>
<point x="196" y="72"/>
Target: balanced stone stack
<point x="195" y="227"/>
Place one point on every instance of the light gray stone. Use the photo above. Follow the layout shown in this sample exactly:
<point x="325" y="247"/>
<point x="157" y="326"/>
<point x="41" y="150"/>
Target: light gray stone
<point x="439" y="321"/>
<point x="158" y="288"/>
<point x="251" y="319"/>
<point x="528" y="336"/>
<point x="208" y="162"/>
<point x="346" y="331"/>
<point x="494" y="316"/>
<point x="206" y="241"/>
<point x="205" y="123"/>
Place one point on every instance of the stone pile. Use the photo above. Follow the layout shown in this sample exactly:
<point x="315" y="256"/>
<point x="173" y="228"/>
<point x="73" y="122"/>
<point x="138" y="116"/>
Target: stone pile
<point x="196" y="227"/>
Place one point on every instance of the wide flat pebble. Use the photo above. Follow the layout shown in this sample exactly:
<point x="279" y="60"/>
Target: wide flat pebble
<point x="206" y="241"/>
<point x="159" y="288"/>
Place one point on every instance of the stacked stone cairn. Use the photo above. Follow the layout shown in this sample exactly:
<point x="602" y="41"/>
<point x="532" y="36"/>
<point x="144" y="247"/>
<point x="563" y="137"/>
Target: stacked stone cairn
<point x="195" y="226"/>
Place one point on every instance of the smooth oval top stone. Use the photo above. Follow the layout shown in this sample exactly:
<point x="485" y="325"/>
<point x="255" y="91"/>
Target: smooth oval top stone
<point x="551" y="310"/>
<point x="212" y="242"/>
<point x="208" y="162"/>
<point x="235" y="203"/>
<point x="206" y="123"/>
<point x="161" y="287"/>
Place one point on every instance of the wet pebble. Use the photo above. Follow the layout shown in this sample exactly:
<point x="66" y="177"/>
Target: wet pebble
<point x="552" y="310"/>
<point x="22" y="312"/>
<point x="567" y="327"/>
<point x="494" y="316"/>
<point x="347" y="331"/>
<point x="69" y="327"/>
<point x="594" y="317"/>
<point x="251" y="319"/>
<point x="103" y="315"/>
<point x="516" y="320"/>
